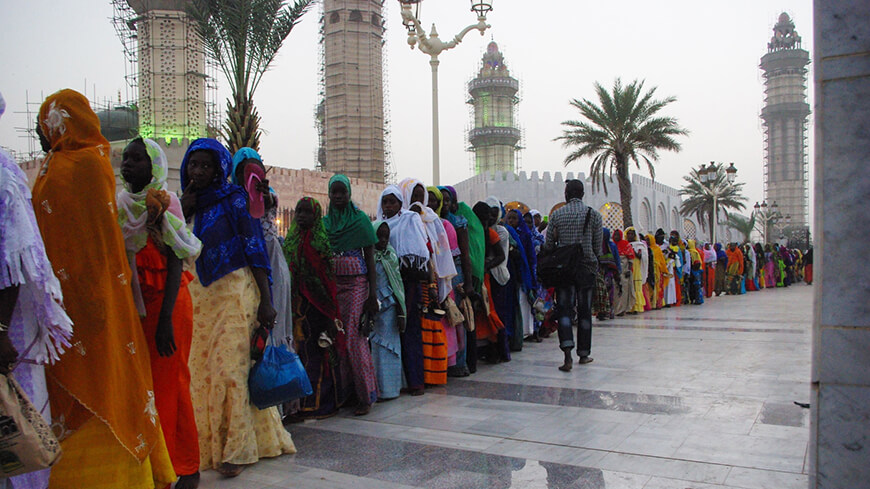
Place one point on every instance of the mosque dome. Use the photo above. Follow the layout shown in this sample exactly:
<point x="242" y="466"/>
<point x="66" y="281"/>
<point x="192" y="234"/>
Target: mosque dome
<point x="119" y="123"/>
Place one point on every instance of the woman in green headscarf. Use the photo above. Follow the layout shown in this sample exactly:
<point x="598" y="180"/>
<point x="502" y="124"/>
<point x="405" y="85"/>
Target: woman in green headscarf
<point x="352" y="240"/>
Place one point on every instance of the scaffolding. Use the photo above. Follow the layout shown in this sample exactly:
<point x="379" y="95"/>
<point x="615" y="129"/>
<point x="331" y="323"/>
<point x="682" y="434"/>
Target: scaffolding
<point x="494" y="137"/>
<point x="785" y="122"/>
<point x="170" y="80"/>
<point x="353" y="131"/>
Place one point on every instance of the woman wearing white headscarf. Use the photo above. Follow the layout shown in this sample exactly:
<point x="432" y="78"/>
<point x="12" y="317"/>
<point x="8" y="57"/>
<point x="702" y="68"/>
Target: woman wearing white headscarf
<point x="158" y="244"/>
<point x="408" y="237"/>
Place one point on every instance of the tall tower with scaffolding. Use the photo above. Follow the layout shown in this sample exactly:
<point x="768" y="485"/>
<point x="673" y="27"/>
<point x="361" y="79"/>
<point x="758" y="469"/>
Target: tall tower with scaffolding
<point x="785" y="116"/>
<point x="351" y="116"/>
<point x="171" y="79"/>
<point x="495" y="138"/>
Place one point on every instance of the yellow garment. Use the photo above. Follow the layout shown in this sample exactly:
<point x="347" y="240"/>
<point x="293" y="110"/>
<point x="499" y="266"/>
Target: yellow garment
<point x="231" y="429"/>
<point x="91" y="459"/>
<point x="105" y="378"/>
<point x="637" y="281"/>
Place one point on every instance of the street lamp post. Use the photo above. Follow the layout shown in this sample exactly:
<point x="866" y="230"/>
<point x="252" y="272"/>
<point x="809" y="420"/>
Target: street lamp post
<point x="768" y="217"/>
<point x="709" y="177"/>
<point x="433" y="46"/>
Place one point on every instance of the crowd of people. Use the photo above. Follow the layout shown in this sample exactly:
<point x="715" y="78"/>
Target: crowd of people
<point x="167" y="301"/>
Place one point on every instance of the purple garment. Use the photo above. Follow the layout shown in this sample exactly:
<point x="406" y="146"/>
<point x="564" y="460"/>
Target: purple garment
<point x="39" y="328"/>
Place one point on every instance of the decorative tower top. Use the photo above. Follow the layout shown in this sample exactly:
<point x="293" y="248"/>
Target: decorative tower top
<point x="784" y="35"/>
<point x="493" y="62"/>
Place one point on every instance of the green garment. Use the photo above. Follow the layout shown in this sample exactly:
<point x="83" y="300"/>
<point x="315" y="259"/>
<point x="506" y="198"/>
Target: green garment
<point x="348" y="228"/>
<point x="476" y="244"/>
<point x="390" y="261"/>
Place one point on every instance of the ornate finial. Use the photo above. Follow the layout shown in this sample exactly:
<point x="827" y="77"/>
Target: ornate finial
<point x="784" y="35"/>
<point x="493" y="60"/>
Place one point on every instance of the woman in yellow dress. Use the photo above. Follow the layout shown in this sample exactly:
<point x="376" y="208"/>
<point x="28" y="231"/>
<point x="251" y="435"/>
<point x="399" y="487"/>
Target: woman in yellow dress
<point x="231" y="302"/>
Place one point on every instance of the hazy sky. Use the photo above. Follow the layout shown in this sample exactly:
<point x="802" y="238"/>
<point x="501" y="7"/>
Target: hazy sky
<point x="705" y="53"/>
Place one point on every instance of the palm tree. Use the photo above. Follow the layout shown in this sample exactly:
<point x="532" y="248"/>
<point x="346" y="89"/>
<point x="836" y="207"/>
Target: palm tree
<point x="243" y="37"/>
<point x="622" y="128"/>
<point x="700" y="195"/>
<point x="742" y="225"/>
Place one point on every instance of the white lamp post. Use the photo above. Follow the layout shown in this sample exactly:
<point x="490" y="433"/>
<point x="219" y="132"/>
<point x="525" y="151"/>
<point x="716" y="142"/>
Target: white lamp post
<point x="768" y="217"/>
<point x="710" y="182"/>
<point x="433" y="46"/>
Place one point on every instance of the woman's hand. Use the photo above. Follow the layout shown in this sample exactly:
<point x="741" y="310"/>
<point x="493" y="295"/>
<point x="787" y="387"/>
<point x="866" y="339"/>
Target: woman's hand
<point x="266" y="314"/>
<point x="165" y="337"/>
<point x="188" y="202"/>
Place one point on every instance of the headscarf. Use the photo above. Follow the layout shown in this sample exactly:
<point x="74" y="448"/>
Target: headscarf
<point x="310" y="260"/>
<point x="2" y="105"/>
<point x="445" y="269"/>
<point x="457" y="221"/>
<point x="720" y="254"/>
<point x="476" y="243"/>
<point x="694" y="253"/>
<point x="659" y="262"/>
<point x="623" y="247"/>
<point x="390" y="261"/>
<point x="241" y="155"/>
<point x="439" y="196"/>
<point x="76" y="211"/>
<point x="493" y="202"/>
<point x="735" y="261"/>
<point x="407" y="234"/>
<point x="348" y="228"/>
<point x="144" y="213"/>
<point x="528" y="261"/>
<point x="38" y="318"/>
<point x="133" y="214"/>
<point x="609" y="252"/>
<point x="231" y="238"/>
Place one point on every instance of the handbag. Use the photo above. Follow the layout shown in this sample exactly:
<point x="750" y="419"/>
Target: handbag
<point x="366" y="324"/>
<point x="27" y="443"/>
<point x="278" y="377"/>
<point x="467" y="311"/>
<point x="454" y="315"/>
<point x="563" y="266"/>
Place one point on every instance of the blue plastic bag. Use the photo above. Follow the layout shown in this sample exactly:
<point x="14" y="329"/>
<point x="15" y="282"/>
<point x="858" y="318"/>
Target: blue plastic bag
<point x="277" y="378"/>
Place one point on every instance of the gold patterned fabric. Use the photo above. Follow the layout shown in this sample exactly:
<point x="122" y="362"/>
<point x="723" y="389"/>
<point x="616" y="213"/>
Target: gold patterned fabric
<point x="231" y="429"/>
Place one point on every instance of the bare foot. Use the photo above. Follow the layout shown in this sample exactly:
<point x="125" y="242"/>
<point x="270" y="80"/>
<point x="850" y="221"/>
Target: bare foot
<point x="584" y="360"/>
<point x="230" y="470"/>
<point x="188" y="481"/>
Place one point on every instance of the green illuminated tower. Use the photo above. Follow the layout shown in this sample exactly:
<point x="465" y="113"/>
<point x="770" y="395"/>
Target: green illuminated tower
<point x="494" y="138"/>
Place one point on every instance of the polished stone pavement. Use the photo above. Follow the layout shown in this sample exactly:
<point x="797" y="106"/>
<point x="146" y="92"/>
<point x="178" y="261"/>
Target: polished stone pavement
<point x="696" y="397"/>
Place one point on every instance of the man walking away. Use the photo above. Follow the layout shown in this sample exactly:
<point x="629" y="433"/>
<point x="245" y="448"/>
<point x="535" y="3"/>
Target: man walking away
<point x="568" y="226"/>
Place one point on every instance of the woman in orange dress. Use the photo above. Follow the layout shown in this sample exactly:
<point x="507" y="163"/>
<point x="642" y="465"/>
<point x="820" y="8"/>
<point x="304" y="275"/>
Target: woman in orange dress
<point x="101" y="392"/>
<point x="157" y="241"/>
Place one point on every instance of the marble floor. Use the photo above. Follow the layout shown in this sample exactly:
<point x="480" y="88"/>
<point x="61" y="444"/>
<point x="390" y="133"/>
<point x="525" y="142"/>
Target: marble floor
<point x="689" y="397"/>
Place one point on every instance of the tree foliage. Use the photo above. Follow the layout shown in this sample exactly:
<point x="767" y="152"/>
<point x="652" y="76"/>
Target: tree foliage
<point x="699" y="201"/>
<point x="622" y="128"/>
<point x="243" y="37"/>
<point x="742" y="225"/>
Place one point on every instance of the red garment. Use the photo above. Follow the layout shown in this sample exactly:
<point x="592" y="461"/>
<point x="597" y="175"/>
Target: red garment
<point x="171" y="375"/>
<point x="808" y="273"/>
<point x="711" y="280"/>
<point x="622" y="246"/>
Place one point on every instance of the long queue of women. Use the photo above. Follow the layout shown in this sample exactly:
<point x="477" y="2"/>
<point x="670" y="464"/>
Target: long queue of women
<point x="641" y="273"/>
<point x="167" y="301"/>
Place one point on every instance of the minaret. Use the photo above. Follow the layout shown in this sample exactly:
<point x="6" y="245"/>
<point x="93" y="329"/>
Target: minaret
<point x="171" y="71"/>
<point x="785" y="115"/>
<point x="494" y="138"/>
<point x="352" y="113"/>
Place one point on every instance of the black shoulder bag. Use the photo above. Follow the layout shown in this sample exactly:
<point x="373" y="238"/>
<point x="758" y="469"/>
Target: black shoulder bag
<point x="563" y="266"/>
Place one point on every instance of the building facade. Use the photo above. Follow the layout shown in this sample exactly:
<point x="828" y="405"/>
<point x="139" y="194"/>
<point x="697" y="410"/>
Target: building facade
<point x="351" y="115"/>
<point x="654" y="204"/>
<point x="494" y="137"/>
<point x="785" y="117"/>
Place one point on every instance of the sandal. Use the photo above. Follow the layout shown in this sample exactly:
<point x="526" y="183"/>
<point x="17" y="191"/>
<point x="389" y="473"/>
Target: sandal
<point x="362" y="410"/>
<point x="229" y="470"/>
